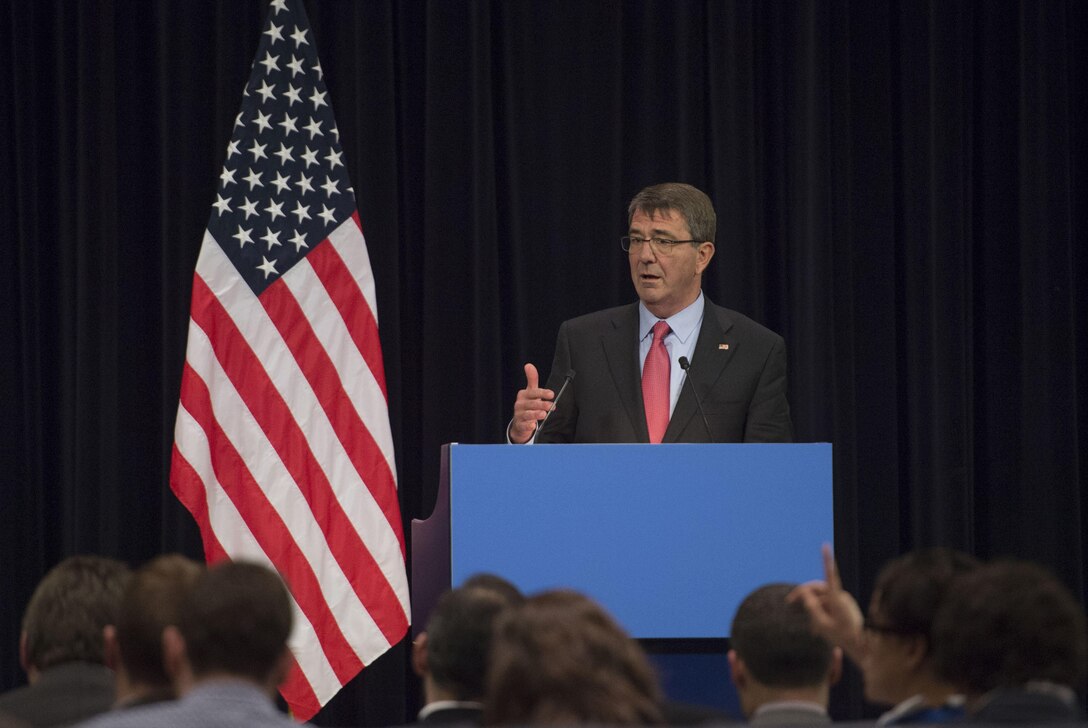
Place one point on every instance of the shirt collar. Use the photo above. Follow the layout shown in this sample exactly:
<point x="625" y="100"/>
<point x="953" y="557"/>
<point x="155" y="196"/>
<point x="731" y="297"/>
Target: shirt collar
<point x="915" y="703"/>
<point x="684" y="323"/>
<point x="799" y="705"/>
<point x="448" y="705"/>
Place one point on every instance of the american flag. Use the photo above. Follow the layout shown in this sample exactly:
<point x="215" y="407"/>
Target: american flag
<point x="282" y="447"/>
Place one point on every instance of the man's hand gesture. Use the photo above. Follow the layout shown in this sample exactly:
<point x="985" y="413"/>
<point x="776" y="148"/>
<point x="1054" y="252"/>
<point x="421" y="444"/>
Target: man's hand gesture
<point x="531" y="406"/>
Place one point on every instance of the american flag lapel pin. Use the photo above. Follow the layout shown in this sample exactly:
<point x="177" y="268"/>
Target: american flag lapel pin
<point x="723" y="347"/>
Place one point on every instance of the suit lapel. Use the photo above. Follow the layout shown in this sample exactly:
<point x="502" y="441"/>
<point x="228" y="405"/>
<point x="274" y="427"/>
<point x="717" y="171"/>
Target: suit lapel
<point x="713" y="350"/>
<point x="621" y="350"/>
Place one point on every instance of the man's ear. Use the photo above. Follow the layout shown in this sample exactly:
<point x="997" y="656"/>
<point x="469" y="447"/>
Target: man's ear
<point x="111" y="650"/>
<point x="737" y="670"/>
<point x="705" y="252"/>
<point x="917" y="650"/>
<point x="834" y="670"/>
<point x="419" y="655"/>
<point x="175" y="657"/>
<point x="279" y="672"/>
<point x="23" y="656"/>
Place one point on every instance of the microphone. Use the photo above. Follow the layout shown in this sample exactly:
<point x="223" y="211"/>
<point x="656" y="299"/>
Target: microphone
<point x="566" y="380"/>
<point x="685" y="365"/>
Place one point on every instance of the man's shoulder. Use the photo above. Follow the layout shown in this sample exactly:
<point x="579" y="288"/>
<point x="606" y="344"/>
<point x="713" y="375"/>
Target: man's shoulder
<point x="738" y="324"/>
<point x="176" y="714"/>
<point x="726" y="319"/>
<point x="214" y="705"/>
<point x="604" y="319"/>
<point x="155" y="714"/>
<point x="62" y="695"/>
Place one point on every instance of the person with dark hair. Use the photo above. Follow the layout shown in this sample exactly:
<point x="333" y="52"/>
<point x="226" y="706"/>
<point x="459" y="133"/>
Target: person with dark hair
<point x="150" y="605"/>
<point x="61" y="646"/>
<point x="894" y="647"/>
<point x="631" y="361"/>
<point x="1011" y="637"/>
<point x="226" y="655"/>
<point x="451" y="656"/>
<point x="782" y="670"/>
<point x="560" y="659"/>
<point x="493" y="582"/>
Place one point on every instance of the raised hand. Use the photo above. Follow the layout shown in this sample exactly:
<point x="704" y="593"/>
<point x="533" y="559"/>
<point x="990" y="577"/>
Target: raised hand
<point x="530" y="407"/>
<point x="835" y="614"/>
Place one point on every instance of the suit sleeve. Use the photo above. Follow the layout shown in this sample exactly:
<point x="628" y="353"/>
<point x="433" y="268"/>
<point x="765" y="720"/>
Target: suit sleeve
<point x="769" y="411"/>
<point x="560" y="427"/>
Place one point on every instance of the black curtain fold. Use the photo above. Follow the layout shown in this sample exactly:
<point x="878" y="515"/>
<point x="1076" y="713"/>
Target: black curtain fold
<point x="900" y="190"/>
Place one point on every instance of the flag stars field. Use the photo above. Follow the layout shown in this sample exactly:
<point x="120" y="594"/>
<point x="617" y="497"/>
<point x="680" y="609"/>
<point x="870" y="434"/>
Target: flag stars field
<point x="281" y="177"/>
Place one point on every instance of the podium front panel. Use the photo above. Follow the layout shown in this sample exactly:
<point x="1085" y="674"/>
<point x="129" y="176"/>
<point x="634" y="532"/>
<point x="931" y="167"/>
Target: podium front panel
<point x="668" y="538"/>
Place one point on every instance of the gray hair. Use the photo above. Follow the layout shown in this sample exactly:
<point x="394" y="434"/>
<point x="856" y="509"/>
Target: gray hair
<point x="690" y="203"/>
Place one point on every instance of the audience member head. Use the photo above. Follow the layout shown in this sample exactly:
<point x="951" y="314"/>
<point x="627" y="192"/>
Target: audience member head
<point x="497" y="584"/>
<point x="234" y="622"/>
<point x="559" y="658"/>
<point x="908" y="592"/>
<point x="1008" y="624"/>
<point x="775" y="655"/>
<point x="69" y="611"/>
<point x="451" y="656"/>
<point x="151" y="604"/>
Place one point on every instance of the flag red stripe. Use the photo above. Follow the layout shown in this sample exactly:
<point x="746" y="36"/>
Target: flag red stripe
<point x="344" y="291"/>
<point x="266" y="405"/>
<point x="189" y="489"/>
<point x="320" y="372"/>
<point x="267" y="528"/>
<point x="299" y="694"/>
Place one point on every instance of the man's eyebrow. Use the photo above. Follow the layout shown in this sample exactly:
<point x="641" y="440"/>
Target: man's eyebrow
<point x="655" y="233"/>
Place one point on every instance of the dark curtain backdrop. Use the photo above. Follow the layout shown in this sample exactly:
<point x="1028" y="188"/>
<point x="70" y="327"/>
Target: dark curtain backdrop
<point x="900" y="187"/>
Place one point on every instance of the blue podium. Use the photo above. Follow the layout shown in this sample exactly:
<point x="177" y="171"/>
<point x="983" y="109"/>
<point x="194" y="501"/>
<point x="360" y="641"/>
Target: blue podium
<point x="668" y="538"/>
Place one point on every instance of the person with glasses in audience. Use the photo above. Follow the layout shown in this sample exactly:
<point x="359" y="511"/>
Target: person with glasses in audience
<point x="894" y="645"/>
<point x="622" y="371"/>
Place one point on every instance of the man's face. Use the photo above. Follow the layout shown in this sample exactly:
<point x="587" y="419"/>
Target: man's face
<point x="890" y="662"/>
<point x="666" y="281"/>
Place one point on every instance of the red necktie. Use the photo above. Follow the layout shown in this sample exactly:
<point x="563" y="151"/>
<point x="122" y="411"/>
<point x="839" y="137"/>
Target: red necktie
<point x="655" y="384"/>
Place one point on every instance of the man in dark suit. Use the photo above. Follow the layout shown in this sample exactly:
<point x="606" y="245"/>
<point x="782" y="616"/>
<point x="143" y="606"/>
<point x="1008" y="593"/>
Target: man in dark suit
<point x="451" y="656"/>
<point x="782" y="670"/>
<point x="61" y="646"/>
<point x="631" y="362"/>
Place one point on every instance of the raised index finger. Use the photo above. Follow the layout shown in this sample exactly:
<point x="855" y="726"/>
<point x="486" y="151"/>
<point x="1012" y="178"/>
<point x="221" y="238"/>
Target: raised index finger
<point x="831" y="569"/>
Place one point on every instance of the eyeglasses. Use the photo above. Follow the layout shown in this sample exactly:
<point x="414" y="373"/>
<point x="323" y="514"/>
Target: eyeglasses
<point x="887" y="629"/>
<point x="658" y="245"/>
